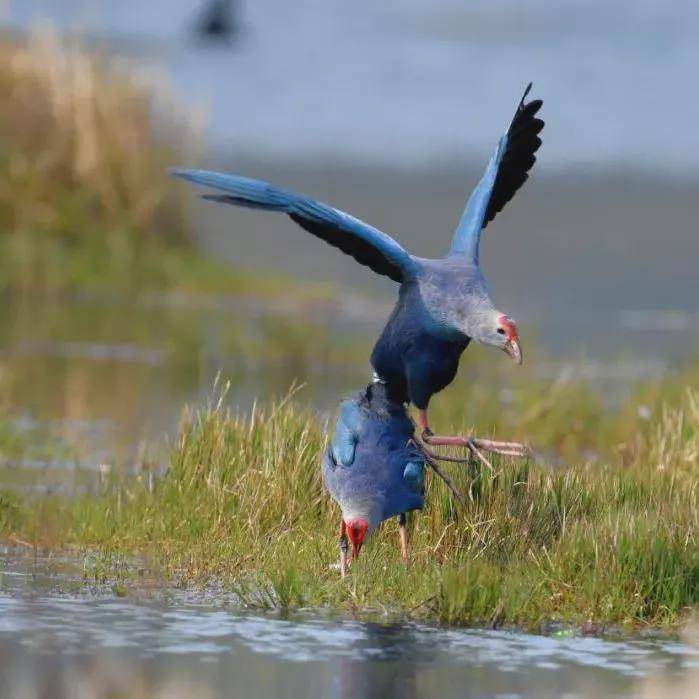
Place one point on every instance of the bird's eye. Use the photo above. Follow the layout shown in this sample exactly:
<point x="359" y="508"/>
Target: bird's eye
<point x="501" y="331"/>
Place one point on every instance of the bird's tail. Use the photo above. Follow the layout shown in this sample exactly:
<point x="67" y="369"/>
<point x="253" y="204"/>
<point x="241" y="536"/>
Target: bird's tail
<point x="241" y="191"/>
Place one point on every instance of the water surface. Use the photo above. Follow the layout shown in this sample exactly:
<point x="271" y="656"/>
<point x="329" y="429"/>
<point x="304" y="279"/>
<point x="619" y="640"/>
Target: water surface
<point x="55" y="643"/>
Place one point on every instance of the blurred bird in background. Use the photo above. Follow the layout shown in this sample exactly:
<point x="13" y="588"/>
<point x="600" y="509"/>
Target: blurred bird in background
<point x="217" y="21"/>
<point x="443" y="303"/>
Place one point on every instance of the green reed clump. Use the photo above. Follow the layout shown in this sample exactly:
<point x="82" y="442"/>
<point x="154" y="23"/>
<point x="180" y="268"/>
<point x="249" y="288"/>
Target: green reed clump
<point x="83" y="147"/>
<point x="85" y="200"/>
<point x="613" y="542"/>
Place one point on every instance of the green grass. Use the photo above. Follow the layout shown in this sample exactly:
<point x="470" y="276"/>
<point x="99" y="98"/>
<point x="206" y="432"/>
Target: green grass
<point x="609" y="543"/>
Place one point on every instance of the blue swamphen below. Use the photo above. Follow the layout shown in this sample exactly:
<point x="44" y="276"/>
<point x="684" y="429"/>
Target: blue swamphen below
<point x="373" y="468"/>
<point x="444" y="303"/>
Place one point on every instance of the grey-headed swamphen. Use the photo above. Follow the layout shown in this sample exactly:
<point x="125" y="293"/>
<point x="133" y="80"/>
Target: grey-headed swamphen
<point x="443" y="303"/>
<point x="373" y="468"/>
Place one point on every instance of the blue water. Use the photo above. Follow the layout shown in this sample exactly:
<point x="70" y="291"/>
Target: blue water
<point x="413" y="83"/>
<point x="84" y="644"/>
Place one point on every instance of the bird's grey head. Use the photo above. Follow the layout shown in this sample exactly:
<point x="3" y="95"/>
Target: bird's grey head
<point x="499" y="330"/>
<point x="456" y="298"/>
<point x="366" y="509"/>
<point x="360" y="519"/>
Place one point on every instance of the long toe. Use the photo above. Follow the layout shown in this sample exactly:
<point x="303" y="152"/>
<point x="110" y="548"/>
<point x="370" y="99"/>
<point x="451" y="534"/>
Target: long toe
<point x="445" y="440"/>
<point x="498" y="447"/>
<point x="489" y="445"/>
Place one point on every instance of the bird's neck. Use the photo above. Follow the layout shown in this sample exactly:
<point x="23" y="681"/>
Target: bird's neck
<point x="382" y="397"/>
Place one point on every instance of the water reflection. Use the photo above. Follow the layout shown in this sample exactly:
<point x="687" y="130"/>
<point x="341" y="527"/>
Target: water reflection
<point x="394" y="652"/>
<point x="115" y="375"/>
<point x="91" y="643"/>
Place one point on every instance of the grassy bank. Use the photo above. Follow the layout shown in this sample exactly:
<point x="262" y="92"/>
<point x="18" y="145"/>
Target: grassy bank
<point x="609" y="543"/>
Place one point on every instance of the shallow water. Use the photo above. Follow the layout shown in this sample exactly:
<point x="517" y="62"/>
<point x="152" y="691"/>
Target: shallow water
<point x="92" y="384"/>
<point x="92" y="643"/>
<point x="95" y="381"/>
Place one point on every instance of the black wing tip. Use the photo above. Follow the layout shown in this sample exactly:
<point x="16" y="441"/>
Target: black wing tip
<point x="534" y="106"/>
<point x="519" y="158"/>
<point x="526" y="115"/>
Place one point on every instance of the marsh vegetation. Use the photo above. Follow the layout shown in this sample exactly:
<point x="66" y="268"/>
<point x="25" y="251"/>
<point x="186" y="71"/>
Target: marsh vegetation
<point x="609" y="541"/>
<point x="600" y="530"/>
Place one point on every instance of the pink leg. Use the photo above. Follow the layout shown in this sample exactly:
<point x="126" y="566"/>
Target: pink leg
<point x="403" y="536"/>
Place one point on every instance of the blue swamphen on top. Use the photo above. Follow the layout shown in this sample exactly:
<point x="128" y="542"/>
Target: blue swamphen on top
<point x="443" y="303"/>
<point x="373" y="468"/>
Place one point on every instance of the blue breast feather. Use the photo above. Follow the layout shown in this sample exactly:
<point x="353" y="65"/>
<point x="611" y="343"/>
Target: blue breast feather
<point x="410" y="354"/>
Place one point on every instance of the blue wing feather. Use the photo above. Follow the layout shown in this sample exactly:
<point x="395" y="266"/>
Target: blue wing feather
<point x="468" y="232"/>
<point x="346" y="434"/>
<point x="414" y="476"/>
<point x="366" y="244"/>
<point x="507" y="171"/>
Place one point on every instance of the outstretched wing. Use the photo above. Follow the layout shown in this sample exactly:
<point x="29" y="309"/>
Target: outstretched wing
<point x="366" y="244"/>
<point x="507" y="171"/>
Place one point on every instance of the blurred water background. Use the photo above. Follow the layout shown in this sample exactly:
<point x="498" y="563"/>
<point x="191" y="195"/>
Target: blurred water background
<point x="390" y="112"/>
<point x="415" y="84"/>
